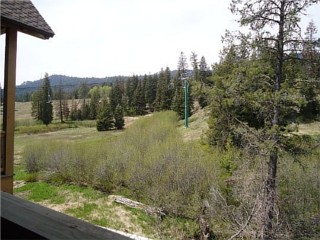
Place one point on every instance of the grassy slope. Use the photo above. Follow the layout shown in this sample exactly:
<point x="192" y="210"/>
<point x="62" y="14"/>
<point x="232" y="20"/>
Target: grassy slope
<point x="197" y="125"/>
<point x="87" y="203"/>
<point x="81" y="202"/>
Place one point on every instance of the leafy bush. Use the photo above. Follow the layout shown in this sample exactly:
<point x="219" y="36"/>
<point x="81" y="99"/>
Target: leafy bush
<point x="300" y="196"/>
<point x="149" y="158"/>
<point x="33" y="156"/>
<point x="150" y="162"/>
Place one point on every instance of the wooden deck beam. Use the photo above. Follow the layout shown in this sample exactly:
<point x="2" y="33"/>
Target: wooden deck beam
<point x="9" y="108"/>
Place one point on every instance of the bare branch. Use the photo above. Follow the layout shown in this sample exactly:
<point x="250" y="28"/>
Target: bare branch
<point x="253" y="210"/>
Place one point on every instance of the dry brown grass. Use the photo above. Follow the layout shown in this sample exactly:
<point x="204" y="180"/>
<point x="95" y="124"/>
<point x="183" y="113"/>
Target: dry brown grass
<point x="23" y="111"/>
<point x="310" y="128"/>
<point x="197" y="124"/>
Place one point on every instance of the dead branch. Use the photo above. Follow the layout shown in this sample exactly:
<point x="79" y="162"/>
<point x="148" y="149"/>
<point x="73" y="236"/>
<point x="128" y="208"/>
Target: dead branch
<point x="253" y="210"/>
<point x="137" y="205"/>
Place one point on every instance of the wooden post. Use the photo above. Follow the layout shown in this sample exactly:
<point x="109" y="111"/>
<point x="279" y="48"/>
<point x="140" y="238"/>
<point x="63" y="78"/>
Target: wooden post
<point x="9" y="108"/>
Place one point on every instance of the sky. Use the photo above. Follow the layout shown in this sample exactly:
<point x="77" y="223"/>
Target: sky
<point x="100" y="38"/>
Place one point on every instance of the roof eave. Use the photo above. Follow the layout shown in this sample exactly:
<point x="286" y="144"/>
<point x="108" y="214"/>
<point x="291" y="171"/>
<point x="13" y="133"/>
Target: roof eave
<point x="6" y="22"/>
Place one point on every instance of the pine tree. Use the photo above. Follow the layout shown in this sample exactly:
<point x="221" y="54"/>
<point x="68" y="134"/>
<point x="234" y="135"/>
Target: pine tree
<point x="204" y="73"/>
<point x="195" y="66"/>
<point x="118" y="117"/>
<point x="178" y="102"/>
<point x="310" y="74"/>
<point x="138" y="100"/>
<point x="160" y="100"/>
<point x="115" y="95"/>
<point x="164" y="93"/>
<point x="151" y="91"/>
<point x="94" y="100"/>
<point x="35" y="105"/>
<point x="84" y="111"/>
<point x="65" y="107"/>
<point x="74" y="110"/>
<point x="42" y="108"/>
<point x="310" y="53"/>
<point x="168" y="89"/>
<point x="131" y="86"/>
<point x="182" y="64"/>
<point x="105" y="120"/>
<point x="59" y="104"/>
<point x="253" y="98"/>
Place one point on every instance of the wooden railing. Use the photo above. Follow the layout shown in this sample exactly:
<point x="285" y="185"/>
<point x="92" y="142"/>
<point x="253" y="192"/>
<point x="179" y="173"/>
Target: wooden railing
<point x="21" y="219"/>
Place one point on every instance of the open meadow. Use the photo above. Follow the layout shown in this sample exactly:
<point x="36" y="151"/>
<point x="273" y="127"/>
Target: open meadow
<point x="91" y="168"/>
<point x="75" y="169"/>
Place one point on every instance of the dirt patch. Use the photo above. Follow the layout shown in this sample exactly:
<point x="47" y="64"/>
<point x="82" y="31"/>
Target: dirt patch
<point x="197" y="125"/>
<point x="129" y="120"/>
<point x="310" y="128"/>
<point x="73" y="200"/>
<point x="105" y="209"/>
<point x="125" y="217"/>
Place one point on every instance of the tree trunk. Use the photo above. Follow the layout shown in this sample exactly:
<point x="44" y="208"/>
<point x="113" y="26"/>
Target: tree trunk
<point x="270" y="185"/>
<point x="61" y="110"/>
<point x="270" y="196"/>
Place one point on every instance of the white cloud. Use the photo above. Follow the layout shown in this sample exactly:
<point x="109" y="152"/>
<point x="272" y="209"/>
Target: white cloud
<point x="112" y="37"/>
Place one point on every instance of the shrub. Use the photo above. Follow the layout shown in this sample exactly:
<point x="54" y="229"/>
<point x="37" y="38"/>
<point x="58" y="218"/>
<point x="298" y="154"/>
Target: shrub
<point x="32" y="156"/>
<point x="149" y="158"/>
<point x="299" y="190"/>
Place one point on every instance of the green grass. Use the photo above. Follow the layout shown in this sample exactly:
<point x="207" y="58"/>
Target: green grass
<point x="148" y="162"/>
<point x="25" y="124"/>
<point x="86" y="192"/>
<point x="84" y="211"/>
<point x="40" y="128"/>
<point x="40" y="191"/>
<point x="146" y="221"/>
<point x="20" y="173"/>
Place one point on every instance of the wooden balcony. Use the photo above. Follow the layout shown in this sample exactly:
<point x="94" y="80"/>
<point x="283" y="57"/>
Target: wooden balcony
<point x="21" y="219"/>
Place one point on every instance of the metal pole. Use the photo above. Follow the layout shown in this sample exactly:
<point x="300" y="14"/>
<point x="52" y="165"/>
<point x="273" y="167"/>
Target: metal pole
<point x="186" y="115"/>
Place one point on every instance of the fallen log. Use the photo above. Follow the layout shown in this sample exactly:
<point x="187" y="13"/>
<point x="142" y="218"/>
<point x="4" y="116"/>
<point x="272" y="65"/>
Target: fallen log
<point x="138" y="205"/>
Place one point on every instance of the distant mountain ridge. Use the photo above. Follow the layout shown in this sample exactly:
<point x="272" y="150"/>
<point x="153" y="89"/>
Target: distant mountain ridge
<point x="67" y="83"/>
<point x="56" y="80"/>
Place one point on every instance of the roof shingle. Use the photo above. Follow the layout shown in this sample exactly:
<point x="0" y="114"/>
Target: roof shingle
<point x="23" y="14"/>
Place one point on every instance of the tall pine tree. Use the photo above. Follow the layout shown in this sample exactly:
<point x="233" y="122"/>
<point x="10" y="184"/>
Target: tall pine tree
<point x="115" y="95"/>
<point x="118" y="117"/>
<point x="138" y="100"/>
<point x="42" y="108"/>
<point x="178" y="99"/>
<point x="105" y="119"/>
<point x="254" y="98"/>
<point x="151" y="90"/>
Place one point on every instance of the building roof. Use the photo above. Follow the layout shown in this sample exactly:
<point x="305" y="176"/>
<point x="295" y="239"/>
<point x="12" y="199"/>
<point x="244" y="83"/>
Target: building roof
<point x="24" y="15"/>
